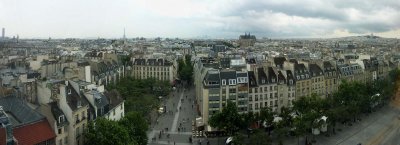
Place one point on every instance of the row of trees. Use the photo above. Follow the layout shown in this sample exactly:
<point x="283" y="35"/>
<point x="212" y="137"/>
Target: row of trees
<point x="131" y="130"/>
<point x="350" y="101"/>
<point x="185" y="69"/>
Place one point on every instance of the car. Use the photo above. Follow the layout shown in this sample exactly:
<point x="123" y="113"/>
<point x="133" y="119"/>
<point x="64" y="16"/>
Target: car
<point x="161" y="110"/>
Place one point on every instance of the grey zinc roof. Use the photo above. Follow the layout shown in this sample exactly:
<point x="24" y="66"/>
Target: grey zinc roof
<point x="252" y="79"/>
<point x="262" y="76"/>
<point x="20" y="112"/>
<point x="241" y="74"/>
<point x="212" y="75"/>
<point x="56" y="111"/>
<point x="315" y="70"/>
<point x="100" y="99"/>
<point x="228" y="74"/>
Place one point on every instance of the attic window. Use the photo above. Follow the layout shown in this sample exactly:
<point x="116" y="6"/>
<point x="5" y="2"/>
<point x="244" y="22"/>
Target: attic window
<point x="223" y="82"/>
<point x="69" y="91"/>
<point x="273" y="80"/>
<point x="291" y="82"/>
<point x="263" y="81"/>
<point x="61" y="118"/>
<point x="232" y="81"/>
<point x="79" y="104"/>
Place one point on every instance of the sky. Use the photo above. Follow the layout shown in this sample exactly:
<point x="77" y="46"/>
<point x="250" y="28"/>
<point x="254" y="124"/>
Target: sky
<point x="199" y="18"/>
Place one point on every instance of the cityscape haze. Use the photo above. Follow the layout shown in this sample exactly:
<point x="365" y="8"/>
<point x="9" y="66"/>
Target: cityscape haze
<point x="200" y="18"/>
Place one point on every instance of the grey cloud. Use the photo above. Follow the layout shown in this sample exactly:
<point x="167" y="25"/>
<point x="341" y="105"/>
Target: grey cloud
<point x="252" y="16"/>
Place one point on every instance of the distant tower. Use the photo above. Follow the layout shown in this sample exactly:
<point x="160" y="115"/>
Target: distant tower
<point x="3" y="33"/>
<point x="124" y="34"/>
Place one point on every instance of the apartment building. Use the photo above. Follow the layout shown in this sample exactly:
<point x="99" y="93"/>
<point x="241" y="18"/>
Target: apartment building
<point x="159" y="69"/>
<point x="317" y="80"/>
<point x="263" y="90"/>
<point x="330" y="77"/>
<point x="303" y="79"/>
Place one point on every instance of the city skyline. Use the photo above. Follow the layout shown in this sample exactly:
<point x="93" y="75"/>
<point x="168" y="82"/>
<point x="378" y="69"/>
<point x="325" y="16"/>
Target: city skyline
<point x="194" y="18"/>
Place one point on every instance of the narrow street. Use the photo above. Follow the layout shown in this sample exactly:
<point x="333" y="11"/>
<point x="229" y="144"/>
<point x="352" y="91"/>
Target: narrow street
<point x="176" y="122"/>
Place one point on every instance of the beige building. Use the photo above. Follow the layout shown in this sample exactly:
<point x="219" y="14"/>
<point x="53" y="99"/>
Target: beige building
<point x="317" y="80"/>
<point x="330" y="77"/>
<point x="301" y="76"/>
<point x="159" y="69"/>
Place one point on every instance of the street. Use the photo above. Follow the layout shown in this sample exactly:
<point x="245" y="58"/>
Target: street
<point x="177" y="121"/>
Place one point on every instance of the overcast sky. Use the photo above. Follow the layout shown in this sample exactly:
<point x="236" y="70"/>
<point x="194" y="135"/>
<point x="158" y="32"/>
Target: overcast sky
<point x="194" y="18"/>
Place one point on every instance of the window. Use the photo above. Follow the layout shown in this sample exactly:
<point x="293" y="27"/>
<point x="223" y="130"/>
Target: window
<point x="256" y="105"/>
<point x="61" y="119"/>
<point x="250" y="106"/>
<point x="255" y="90"/>
<point x="232" y="81"/>
<point x="256" y="98"/>
<point x="290" y="82"/>
<point x="114" y="112"/>
<point x="60" y="131"/>
<point x="223" y="82"/>
<point x="242" y="80"/>
<point x="250" y="98"/>
<point x="232" y="90"/>
<point x="69" y="91"/>
<point x="60" y="142"/>
<point x="261" y="105"/>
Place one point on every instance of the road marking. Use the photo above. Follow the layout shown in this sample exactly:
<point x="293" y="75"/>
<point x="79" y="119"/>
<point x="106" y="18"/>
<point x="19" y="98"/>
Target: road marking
<point x="173" y="128"/>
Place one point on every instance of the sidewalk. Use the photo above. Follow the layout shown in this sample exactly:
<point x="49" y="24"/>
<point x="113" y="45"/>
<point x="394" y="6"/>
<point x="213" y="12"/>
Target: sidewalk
<point x="360" y="132"/>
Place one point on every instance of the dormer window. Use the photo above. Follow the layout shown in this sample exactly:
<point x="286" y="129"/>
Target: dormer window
<point x="223" y="82"/>
<point x="298" y="77"/>
<point x="79" y="104"/>
<point x="273" y="80"/>
<point x="291" y="82"/>
<point x="60" y="118"/>
<point x="263" y="81"/>
<point x="69" y="91"/>
<point x="307" y="76"/>
<point x="232" y="81"/>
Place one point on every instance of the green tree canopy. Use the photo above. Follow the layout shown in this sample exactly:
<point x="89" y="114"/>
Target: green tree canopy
<point x="228" y="119"/>
<point x="136" y="126"/>
<point x="106" y="132"/>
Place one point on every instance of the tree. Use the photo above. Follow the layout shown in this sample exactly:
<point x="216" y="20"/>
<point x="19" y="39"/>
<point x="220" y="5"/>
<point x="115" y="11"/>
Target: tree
<point x="228" y="119"/>
<point x="136" y="126"/>
<point x="185" y="69"/>
<point x="106" y="132"/>
<point x="284" y="126"/>
<point x="267" y="116"/>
